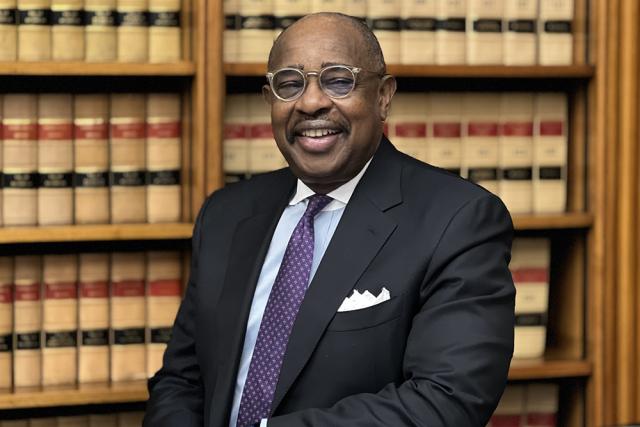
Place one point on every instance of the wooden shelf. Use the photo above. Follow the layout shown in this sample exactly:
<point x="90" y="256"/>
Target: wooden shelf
<point x="553" y="221"/>
<point x="548" y="369"/>
<point x="106" y="232"/>
<point x="451" y="71"/>
<point x="185" y="69"/>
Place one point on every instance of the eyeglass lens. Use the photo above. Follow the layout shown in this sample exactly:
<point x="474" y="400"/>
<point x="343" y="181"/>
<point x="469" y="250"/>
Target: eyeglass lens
<point x="337" y="82"/>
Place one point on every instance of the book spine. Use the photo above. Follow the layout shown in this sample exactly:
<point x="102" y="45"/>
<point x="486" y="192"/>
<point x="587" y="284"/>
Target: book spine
<point x="409" y="126"/>
<point x="417" y="35"/>
<point x="103" y="420"/>
<point x="327" y="6"/>
<point x="356" y="8"/>
<point x="67" y="31"/>
<point x="1" y="159"/>
<point x="286" y="12"/>
<point x="383" y="17"/>
<point x="555" y="32"/>
<point x="264" y="155"/>
<point x="27" y="321"/>
<point x="34" y="30"/>
<point x="231" y="10"/>
<point x="510" y="410"/>
<point x="73" y="421"/>
<point x="164" y="31"/>
<point x="451" y="31"/>
<point x="257" y="26"/>
<point x="132" y="30"/>
<point x="520" y="32"/>
<point x="445" y="131"/>
<point x="6" y="322"/>
<point x="8" y="30"/>
<point x="235" y="143"/>
<point x="100" y="30"/>
<point x="541" y="405"/>
<point x="484" y="36"/>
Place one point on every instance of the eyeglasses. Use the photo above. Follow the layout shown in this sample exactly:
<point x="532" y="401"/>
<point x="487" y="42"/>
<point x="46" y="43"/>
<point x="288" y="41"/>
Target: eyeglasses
<point x="337" y="81"/>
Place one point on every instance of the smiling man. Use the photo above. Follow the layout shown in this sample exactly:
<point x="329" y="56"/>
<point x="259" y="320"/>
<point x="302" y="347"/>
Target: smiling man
<point x="358" y="287"/>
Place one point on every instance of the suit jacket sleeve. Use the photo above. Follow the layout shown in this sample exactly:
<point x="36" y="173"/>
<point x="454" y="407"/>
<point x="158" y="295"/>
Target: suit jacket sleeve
<point x="458" y="351"/>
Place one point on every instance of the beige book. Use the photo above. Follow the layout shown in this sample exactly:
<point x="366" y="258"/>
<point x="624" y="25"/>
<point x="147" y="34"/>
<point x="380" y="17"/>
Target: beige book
<point x="451" y="32"/>
<point x="164" y="31"/>
<point x="164" y="276"/>
<point x="60" y="319"/>
<point x="6" y="322"/>
<point x="444" y="121"/>
<point x="383" y="17"/>
<point x="231" y="9"/>
<point x="541" y="405"/>
<point x="510" y="410"/>
<point x="103" y="420"/>
<point x="555" y="33"/>
<point x="236" y="144"/>
<point x="43" y="422"/>
<point x="27" y="322"/>
<point x="520" y="32"/>
<point x="257" y="25"/>
<point x="163" y="158"/>
<point x="327" y="6"/>
<point x="14" y="423"/>
<point x="93" y="318"/>
<point x="480" y="121"/>
<point x="127" y="311"/>
<point x="91" y="159"/>
<point x="34" y="30"/>
<point x="67" y="31"/>
<point x="286" y="12"/>
<point x="357" y="8"/>
<point x="73" y="421"/>
<point x="130" y="419"/>
<point x="100" y="30"/>
<point x="20" y="159"/>
<point x="484" y="35"/>
<point x="408" y="124"/>
<point x="516" y="152"/>
<point x="417" y="38"/>
<point x="132" y="31"/>
<point x="264" y="155"/>
<point x="8" y="30"/>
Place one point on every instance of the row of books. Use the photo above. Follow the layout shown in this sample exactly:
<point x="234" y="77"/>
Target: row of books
<point x="121" y="419"/>
<point x="513" y="144"/>
<point x="527" y="405"/>
<point x="92" y="317"/>
<point x="523" y="32"/>
<point x="90" y="30"/>
<point x="90" y="158"/>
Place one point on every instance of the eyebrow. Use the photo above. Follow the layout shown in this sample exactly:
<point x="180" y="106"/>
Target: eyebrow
<point x="323" y="65"/>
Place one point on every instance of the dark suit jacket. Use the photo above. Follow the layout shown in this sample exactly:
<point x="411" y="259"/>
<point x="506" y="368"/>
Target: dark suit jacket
<point x="436" y="354"/>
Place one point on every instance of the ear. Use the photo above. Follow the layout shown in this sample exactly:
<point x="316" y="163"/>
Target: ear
<point x="267" y="95"/>
<point x="387" y="89"/>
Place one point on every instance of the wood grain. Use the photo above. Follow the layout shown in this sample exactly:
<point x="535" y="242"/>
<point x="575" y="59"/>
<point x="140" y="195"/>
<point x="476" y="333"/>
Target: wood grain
<point x="184" y="68"/>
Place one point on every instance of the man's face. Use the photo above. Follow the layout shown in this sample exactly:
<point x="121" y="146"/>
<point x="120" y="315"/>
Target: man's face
<point x="327" y="141"/>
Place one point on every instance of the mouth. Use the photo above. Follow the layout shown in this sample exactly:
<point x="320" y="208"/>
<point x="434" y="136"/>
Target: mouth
<point x="316" y="137"/>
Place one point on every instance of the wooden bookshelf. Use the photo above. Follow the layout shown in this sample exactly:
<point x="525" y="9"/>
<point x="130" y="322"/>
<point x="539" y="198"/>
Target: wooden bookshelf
<point x="570" y="220"/>
<point x="178" y="69"/>
<point x="548" y="369"/>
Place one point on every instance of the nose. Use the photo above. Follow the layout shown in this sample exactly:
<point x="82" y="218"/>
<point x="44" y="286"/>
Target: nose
<point x="313" y="99"/>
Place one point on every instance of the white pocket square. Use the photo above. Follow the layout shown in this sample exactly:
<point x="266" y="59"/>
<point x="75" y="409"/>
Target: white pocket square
<point x="358" y="301"/>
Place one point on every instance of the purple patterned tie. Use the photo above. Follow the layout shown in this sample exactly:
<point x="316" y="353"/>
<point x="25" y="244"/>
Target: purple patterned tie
<point x="281" y="311"/>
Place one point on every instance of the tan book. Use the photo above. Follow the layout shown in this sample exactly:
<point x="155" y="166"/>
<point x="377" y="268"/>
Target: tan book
<point x="520" y="39"/>
<point x="510" y="410"/>
<point x="408" y="124"/>
<point x="383" y="17"/>
<point x="60" y="319"/>
<point x="100" y="30"/>
<point x="451" y="31"/>
<point x="43" y="422"/>
<point x="27" y="322"/>
<point x="264" y="155"/>
<point x="127" y="311"/>
<point x="444" y="121"/>
<point x="164" y="31"/>
<point x="286" y="12"/>
<point x="8" y="30"/>
<point x="555" y="32"/>
<point x="132" y="31"/>
<point x="103" y="420"/>
<point x="417" y="38"/>
<point x="541" y="405"/>
<point x="236" y="144"/>
<point x="14" y="423"/>
<point x="55" y="159"/>
<point x="484" y="35"/>
<point x="34" y="30"/>
<point x="73" y="421"/>
<point x="20" y="159"/>
<point x="163" y="157"/>
<point x="128" y="133"/>
<point x="67" y="31"/>
<point x="93" y="318"/>
<point x="6" y="322"/>
<point x="356" y="8"/>
<point x="91" y="159"/>
<point x="231" y="9"/>
<point x="257" y="25"/>
<point x="327" y="6"/>
<point x="130" y="419"/>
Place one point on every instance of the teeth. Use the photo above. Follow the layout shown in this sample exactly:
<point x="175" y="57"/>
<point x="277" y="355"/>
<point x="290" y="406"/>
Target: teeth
<point x="315" y="133"/>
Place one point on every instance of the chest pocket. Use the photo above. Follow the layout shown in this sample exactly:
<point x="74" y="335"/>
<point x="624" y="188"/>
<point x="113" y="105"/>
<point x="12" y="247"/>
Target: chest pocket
<point x="368" y="317"/>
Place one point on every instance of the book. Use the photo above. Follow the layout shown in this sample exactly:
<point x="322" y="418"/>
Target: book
<point x="14" y="423"/>
<point x="264" y="155"/>
<point x="6" y="322"/>
<point x="550" y="146"/>
<point x="520" y="32"/>
<point x="408" y="124"/>
<point x="127" y="314"/>
<point x="132" y="31"/>
<point x="235" y="145"/>
<point x="510" y="410"/>
<point x="73" y="421"/>
<point x="257" y="25"/>
<point x="164" y="31"/>
<point x="451" y="31"/>
<point x="328" y="6"/>
<point x="541" y="405"/>
<point x="163" y="157"/>
<point x="127" y="172"/>
<point x="1" y="162"/>
<point x="27" y="322"/>
<point x="418" y="31"/>
<point x="43" y="422"/>
<point x="91" y="159"/>
<point x="555" y="33"/>
<point x="103" y="420"/>
<point x="164" y="283"/>
<point x="516" y="152"/>
<point x="100" y="30"/>
<point x="55" y="159"/>
<point x="130" y="419"/>
<point x="444" y="128"/>
<point x="355" y="8"/>
<point x="67" y="30"/>
<point x="34" y="30"/>
<point x="484" y="35"/>
<point x="60" y="319"/>
<point x="8" y="30"/>
<point x="93" y="317"/>
<point x="286" y="12"/>
<point x="383" y="17"/>
<point x="20" y="159"/>
<point x="231" y="9"/>
<point x="530" y="270"/>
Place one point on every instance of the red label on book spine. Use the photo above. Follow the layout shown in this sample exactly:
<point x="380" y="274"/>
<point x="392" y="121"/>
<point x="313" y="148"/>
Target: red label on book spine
<point x="60" y="290"/>
<point x="541" y="420"/>
<point x="94" y="131"/>
<point x="517" y="129"/>
<point x="20" y="131"/>
<point x="262" y="130"/>
<point x="503" y="420"/>
<point x="164" y="288"/>
<point x="552" y="128"/>
<point x="55" y="132"/>
<point x="447" y="130"/>
<point x="163" y="130"/>
<point x="27" y="292"/>
<point x="482" y="129"/>
<point x="540" y="275"/>
<point x="234" y="131"/>
<point x="6" y="294"/>
<point x="128" y="130"/>
<point x="128" y="288"/>
<point x="94" y="289"/>
<point x="411" y="130"/>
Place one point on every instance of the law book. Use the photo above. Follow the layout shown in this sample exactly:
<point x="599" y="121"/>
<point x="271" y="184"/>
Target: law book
<point x="103" y="420"/>
<point x="43" y="422"/>
<point x="230" y="35"/>
<point x="55" y="159"/>
<point x="484" y="35"/>
<point x="541" y="405"/>
<point x="510" y="410"/>
<point x="516" y="152"/>
<point x="20" y="159"/>
<point x="101" y="21"/>
<point x="555" y="32"/>
<point x="286" y="12"/>
<point x="408" y="124"/>
<point x="14" y="423"/>
<point x="130" y="419"/>
<point x="164" y="283"/>
<point x="327" y="6"/>
<point x="127" y="315"/>
<point x="1" y="162"/>
<point x="356" y="8"/>
<point x="451" y="31"/>
<point x="27" y="322"/>
<point x="235" y="145"/>
<point x="480" y="117"/>
<point x="67" y="30"/>
<point x="8" y="30"/>
<point x="530" y="270"/>
<point x="91" y="159"/>
<point x="550" y="147"/>
<point x="444" y="127"/>
<point x="60" y="319"/>
<point x="34" y="30"/>
<point x="132" y="31"/>
<point x="264" y="155"/>
<point x="73" y="421"/>
<point x="418" y="32"/>
<point x="128" y="162"/>
<point x="383" y="17"/>
<point x="6" y="322"/>
<point x="164" y="31"/>
<point x="520" y="32"/>
<point x="257" y="25"/>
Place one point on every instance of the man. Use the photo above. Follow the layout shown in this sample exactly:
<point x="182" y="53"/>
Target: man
<point x="388" y="303"/>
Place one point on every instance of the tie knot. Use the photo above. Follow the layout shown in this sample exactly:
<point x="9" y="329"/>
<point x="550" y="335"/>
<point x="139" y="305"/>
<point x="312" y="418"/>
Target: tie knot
<point x="316" y="203"/>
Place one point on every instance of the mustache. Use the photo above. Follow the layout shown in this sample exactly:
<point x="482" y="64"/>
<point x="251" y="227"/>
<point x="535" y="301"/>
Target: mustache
<point x="321" y="121"/>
